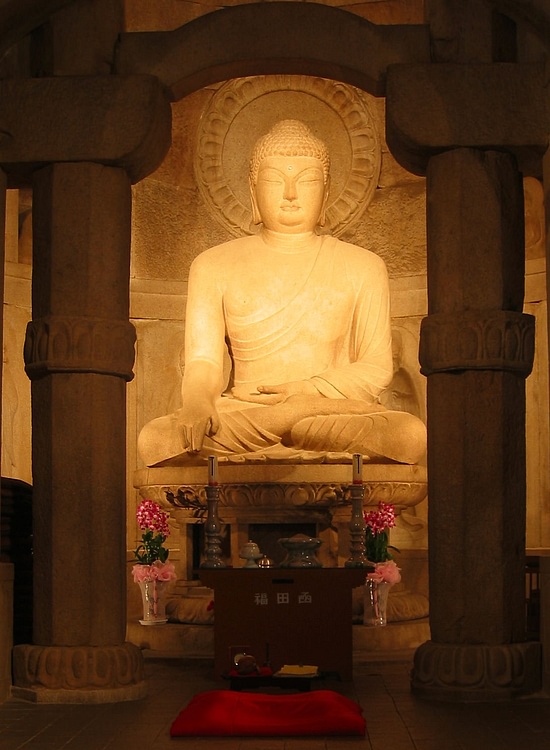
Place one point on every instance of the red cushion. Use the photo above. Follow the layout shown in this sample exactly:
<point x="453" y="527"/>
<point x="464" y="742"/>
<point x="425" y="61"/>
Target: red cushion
<point x="227" y="712"/>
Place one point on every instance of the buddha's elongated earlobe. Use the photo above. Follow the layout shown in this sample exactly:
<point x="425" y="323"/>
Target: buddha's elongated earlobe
<point x="323" y="215"/>
<point x="256" y="217"/>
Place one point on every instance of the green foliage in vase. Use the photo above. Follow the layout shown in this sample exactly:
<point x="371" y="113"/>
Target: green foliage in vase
<point x="378" y="523"/>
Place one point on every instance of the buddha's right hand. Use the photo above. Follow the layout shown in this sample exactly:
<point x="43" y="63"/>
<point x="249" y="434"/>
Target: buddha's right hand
<point x="196" y="422"/>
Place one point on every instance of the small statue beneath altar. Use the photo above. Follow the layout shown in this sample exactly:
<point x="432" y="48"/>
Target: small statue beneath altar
<point x="306" y="321"/>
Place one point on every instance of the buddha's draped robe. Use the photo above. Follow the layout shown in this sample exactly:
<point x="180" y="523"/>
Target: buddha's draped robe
<point x="330" y="326"/>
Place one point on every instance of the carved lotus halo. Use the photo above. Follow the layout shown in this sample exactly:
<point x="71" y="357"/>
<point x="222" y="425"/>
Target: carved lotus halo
<point x="243" y="109"/>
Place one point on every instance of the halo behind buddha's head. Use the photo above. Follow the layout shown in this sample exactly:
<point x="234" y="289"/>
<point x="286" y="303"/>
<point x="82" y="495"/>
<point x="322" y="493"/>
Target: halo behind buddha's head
<point x="289" y="138"/>
<point x="343" y="118"/>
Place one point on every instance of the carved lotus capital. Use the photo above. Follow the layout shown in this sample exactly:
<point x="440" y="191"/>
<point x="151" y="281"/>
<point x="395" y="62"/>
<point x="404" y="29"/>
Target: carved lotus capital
<point x="477" y="340"/>
<point x="58" y="343"/>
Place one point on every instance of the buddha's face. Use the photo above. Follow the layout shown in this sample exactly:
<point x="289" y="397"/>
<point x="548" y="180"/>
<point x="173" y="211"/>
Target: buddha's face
<point x="290" y="193"/>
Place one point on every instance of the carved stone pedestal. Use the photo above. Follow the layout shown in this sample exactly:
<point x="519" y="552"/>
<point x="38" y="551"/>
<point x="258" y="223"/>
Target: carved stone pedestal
<point x="78" y="674"/>
<point x="476" y="672"/>
<point x="279" y="494"/>
<point x="257" y="496"/>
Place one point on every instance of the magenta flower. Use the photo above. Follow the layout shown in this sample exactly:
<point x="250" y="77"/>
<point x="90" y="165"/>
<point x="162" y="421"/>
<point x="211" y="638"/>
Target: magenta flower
<point x="150" y="516"/>
<point x="378" y="523"/>
<point x="154" y="522"/>
<point x="381" y="519"/>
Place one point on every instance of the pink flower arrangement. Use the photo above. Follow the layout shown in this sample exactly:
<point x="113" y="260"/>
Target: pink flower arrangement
<point x="385" y="572"/>
<point x="151" y="554"/>
<point x="156" y="572"/>
<point x="378" y="523"/>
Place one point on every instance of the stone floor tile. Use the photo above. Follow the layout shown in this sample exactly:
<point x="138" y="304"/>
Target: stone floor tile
<point x="348" y="743"/>
<point x="262" y="743"/>
<point x="305" y="743"/>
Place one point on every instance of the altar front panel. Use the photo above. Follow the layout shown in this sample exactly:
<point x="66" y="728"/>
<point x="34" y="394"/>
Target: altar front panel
<point x="285" y="616"/>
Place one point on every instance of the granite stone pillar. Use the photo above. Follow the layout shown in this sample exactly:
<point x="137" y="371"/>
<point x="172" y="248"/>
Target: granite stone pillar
<point x="545" y="619"/>
<point x="79" y="353"/>
<point x="6" y="568"/>
<point x="6" y="628"/>
<point x="95" y="136"/>
<point x="476" y="349"/>
<point x="464" y="126"/>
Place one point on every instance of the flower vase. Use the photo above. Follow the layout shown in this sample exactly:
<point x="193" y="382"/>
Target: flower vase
<point x="153" y="596"/>
<point x="375" y="602"/>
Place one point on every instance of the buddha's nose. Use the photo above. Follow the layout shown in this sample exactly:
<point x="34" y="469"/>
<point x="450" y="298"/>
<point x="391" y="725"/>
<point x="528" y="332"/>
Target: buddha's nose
<point x="289" y="192"/>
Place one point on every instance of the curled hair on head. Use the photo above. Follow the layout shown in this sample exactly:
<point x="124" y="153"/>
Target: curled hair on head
<point x="289" y="138"/>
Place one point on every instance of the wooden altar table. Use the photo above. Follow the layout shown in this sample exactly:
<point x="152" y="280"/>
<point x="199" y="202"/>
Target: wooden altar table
<point x="286" y="615"/>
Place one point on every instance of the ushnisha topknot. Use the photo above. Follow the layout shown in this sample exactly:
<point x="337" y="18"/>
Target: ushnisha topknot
<point x="289" y="138"/>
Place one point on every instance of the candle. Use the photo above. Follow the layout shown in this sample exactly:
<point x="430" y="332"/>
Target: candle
<point x="212" y="471"/>
<point x="357" y="468"/>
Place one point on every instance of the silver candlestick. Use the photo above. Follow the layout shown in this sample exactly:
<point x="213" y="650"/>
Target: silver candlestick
<point x="357" y="558"/>
<point x="212" y="530"/>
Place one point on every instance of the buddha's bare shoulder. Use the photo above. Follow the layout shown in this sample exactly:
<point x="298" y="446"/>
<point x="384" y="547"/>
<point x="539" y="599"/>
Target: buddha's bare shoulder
<point x="227" y="253"/>
<point x="357" y="256"/>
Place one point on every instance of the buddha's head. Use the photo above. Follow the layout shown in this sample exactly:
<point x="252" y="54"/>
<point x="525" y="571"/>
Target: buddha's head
<point x="289" y="178"/>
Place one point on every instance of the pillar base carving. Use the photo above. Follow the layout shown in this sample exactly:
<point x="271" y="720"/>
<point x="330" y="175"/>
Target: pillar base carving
<point x="78" y="674"/>
<point x="476" y="672"/>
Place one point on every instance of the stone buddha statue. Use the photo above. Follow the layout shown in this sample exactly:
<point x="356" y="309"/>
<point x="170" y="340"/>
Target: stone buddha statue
<point x="305" y="319"/>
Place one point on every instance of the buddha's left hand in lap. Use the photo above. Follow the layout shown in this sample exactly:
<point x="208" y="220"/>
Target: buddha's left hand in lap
<point x="276" y="394"/>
